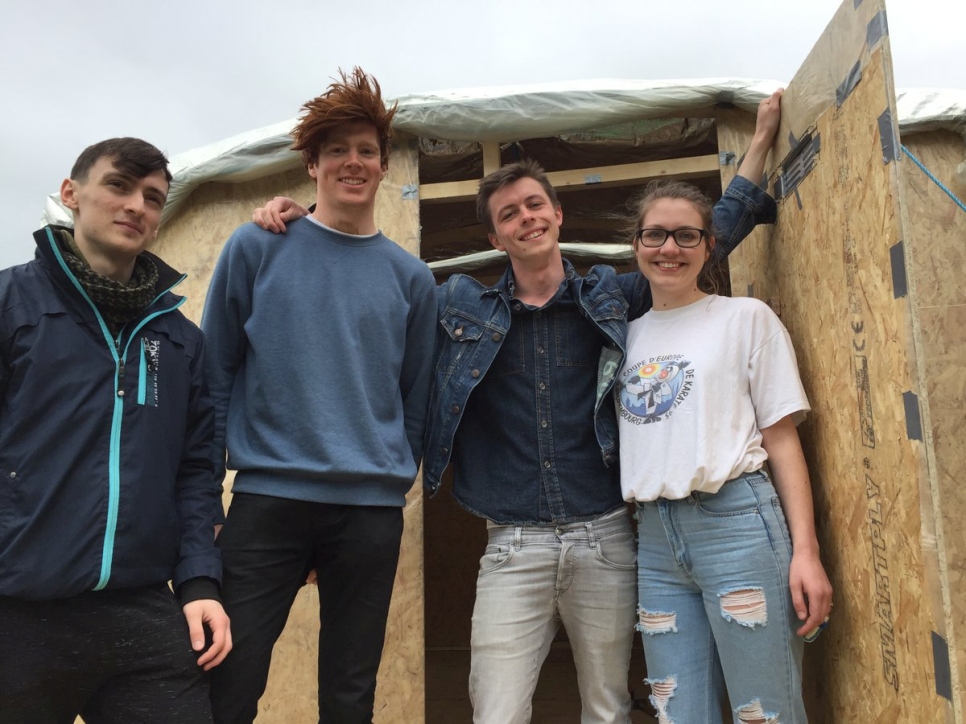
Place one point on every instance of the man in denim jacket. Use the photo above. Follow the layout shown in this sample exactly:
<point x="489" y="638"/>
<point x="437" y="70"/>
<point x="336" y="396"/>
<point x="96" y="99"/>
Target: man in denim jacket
<point x="520" y="405"/>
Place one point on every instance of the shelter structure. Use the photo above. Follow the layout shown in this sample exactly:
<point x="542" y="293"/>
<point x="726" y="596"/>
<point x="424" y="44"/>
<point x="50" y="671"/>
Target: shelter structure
<point x="863" y="267"/>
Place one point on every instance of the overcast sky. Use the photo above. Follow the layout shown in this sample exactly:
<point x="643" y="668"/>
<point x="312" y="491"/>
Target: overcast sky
<point x="182" y="74"/>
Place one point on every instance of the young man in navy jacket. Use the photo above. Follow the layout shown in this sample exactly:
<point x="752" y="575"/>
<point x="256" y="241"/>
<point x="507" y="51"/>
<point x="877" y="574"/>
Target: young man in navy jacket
<point x="106" y="485"/>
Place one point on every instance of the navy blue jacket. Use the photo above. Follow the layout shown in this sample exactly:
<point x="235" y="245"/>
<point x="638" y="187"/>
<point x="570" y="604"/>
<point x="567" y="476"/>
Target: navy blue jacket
<point x="105" y="472"/>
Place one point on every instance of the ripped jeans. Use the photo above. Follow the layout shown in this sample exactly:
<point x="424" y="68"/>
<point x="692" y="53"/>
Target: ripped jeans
<point x="715" y="611"/>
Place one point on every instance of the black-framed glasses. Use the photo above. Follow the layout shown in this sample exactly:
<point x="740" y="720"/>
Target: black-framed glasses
<point x="686" y="238"/>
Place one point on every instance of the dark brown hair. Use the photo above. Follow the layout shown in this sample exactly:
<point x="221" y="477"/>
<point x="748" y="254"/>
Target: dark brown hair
<point x="655" y="191"/>
<point x="352" y="99"/>
<point x="503" y="177"/>
<point x="131" y="156"/>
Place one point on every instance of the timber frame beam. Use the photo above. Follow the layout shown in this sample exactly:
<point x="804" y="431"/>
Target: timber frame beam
<point x="599" y="176"/>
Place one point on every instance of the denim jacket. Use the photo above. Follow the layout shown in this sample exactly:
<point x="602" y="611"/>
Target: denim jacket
<point x="474" y="320"/>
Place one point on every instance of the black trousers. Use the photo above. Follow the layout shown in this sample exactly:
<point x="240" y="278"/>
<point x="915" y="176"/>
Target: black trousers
<point x="268" y="546"/>
<point x="111" y="656"/>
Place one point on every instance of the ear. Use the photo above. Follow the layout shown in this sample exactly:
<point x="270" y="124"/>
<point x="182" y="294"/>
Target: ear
<point x="313" y="170"/>
<point x="559" y="213"/>
<point x="497" y="244"/>
<point x="68" y="194"/>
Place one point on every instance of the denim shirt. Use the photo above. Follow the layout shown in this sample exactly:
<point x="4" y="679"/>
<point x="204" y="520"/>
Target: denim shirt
<point x="549" y="467"/>
<point x="474" y="320"/>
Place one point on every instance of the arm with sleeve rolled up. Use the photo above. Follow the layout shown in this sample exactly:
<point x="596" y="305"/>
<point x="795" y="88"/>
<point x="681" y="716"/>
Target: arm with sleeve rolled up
<point x="810" y="588"/>
<point x="744" y="203"/>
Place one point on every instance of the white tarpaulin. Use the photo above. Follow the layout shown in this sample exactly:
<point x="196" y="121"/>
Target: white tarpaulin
<point x="515" y="113"/>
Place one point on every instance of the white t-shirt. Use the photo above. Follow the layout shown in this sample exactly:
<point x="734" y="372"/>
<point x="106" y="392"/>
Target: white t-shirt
<point x="697" y="386"/>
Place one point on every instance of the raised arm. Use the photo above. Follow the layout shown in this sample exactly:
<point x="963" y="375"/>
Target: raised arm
<point x="766" y="127"/>
<point x="740" y="209"/>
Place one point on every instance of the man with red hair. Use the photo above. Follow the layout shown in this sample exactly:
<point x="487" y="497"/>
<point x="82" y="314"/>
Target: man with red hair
<point x="320" y="390"/>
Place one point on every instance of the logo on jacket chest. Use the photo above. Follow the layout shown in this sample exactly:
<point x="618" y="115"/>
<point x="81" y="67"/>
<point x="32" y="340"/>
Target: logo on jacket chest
<point x="151" y="359"/>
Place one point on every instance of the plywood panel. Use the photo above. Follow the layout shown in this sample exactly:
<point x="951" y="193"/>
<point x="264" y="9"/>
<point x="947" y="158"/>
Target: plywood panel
<point x="837" y="60"/>
<point x="830" y="275"/>
<point x="192" y="242"/>
<point x="935" y="258"/>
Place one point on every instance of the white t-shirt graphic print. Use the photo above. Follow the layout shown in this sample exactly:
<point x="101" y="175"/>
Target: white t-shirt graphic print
<point x="698" y="384"/>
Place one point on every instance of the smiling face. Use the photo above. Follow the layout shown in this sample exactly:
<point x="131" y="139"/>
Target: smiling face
<point x="672" y="271"/>
<point x="347" y="172"/>
<point x="115" y="215"/>
<point x="526" y="224"/>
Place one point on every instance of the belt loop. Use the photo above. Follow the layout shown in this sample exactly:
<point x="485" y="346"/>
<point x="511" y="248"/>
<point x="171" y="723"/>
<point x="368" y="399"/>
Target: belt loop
<point x="591" y="535"/>
<point x="517" y="537"/>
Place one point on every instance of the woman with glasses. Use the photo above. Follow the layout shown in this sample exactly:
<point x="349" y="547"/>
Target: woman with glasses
<point x="710" y="391"/>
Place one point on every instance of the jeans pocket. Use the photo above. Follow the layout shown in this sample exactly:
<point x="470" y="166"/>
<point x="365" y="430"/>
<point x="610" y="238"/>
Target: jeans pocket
<point x="618" y="551"/>
<point x="494" y="558"/>
<point x="782" y="523"/>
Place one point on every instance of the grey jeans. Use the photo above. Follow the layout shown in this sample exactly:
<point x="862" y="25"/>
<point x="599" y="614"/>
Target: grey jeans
<point x="533" y="579"/>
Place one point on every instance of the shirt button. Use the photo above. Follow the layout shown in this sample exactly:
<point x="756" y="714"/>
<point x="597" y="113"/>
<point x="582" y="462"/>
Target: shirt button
<point x="546" y="464"/>
<point x="13" y="474"/>
<point x="475" y="373"/>
<point x="518" y="306"/>
<point x="542" y="386"/>
<point x="456" y="408"/>
<point x="120" y="393"/>
<point x="496" y="336"/>
<point x="543" y="423"/>
<point x="540" y="350"/>
<point x="458" y="332"/>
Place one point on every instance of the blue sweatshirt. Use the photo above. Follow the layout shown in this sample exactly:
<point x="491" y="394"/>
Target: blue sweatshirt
<point x="320" y="351"/>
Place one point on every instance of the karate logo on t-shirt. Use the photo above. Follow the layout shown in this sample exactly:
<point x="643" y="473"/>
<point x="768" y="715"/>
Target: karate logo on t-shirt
<point x="652" y="389"/>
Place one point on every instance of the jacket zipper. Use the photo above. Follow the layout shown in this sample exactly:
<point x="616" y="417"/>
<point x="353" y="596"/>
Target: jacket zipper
<point x="114" y="459"/>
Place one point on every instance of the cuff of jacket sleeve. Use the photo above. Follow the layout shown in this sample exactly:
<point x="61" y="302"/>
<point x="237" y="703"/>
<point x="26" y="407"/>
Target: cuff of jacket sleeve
<point x="196" y="589"/>
<point x="764" y="206"/>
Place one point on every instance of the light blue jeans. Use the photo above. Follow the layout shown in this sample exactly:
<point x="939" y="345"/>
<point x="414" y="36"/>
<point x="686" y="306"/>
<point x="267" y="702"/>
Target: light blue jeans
<point x="715" y="610"/>
<point x="535" y="578"/>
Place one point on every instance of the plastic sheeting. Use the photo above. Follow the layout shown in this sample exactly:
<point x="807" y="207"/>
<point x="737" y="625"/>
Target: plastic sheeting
<point x="516" y="113"/>
<point x="481" y="259"/>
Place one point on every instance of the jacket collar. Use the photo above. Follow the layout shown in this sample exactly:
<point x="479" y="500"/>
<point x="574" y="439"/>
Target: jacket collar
<point x="505" y="284"/>
<point x="167" y="276"/>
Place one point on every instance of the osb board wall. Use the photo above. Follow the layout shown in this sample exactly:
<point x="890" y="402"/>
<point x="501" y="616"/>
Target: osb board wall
<point x="935" y="259"/>
<point x="840" y="54"/>
<point x="192" y="242"/>
<point x="827" y="272"/>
